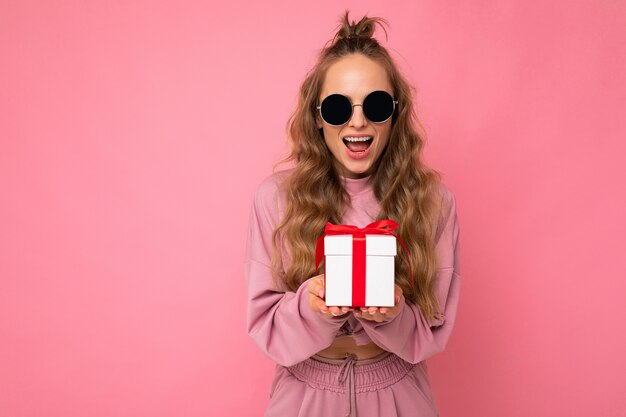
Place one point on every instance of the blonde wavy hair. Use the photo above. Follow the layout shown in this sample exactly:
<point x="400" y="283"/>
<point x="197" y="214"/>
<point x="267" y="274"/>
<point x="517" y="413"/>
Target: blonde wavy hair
<point x="407" y="190"/>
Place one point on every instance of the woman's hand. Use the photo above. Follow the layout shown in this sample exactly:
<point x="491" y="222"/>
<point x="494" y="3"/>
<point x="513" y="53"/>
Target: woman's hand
<point x="316" y="299"/>
<point x="379" y="314"/>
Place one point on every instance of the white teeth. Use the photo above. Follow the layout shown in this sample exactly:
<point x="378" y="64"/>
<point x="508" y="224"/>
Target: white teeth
<point x="363" y="139"/>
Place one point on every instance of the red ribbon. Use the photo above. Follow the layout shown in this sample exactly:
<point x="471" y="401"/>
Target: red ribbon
<point x="380" y="227"/>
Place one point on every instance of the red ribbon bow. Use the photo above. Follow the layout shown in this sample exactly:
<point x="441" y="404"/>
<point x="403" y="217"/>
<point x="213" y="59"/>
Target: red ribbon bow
<point x="380" y="227"/>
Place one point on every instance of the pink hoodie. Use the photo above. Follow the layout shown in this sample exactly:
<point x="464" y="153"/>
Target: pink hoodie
<point x="286" y="329"/>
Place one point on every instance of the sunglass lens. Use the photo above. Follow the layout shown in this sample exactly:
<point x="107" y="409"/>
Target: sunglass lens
<point x="336" y="109"/>
<point x="378" y="106"/>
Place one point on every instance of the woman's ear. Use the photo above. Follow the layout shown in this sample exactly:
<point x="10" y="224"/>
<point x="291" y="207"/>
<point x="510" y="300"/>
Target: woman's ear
<point x="318" y="121"/>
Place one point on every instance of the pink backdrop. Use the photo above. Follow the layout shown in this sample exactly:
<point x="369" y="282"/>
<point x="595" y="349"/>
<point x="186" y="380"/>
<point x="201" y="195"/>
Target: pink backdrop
<point x="134" y="134"/>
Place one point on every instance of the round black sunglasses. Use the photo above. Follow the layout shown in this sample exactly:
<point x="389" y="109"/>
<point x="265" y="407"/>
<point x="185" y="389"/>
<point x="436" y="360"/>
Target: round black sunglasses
<point x="378" y="107"/>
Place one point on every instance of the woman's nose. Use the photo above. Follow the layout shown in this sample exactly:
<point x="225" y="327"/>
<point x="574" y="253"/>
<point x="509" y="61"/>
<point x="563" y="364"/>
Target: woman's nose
<point x="358" y="119"/>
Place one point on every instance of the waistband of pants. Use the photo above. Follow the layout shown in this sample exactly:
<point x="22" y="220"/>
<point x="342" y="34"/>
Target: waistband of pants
<point x="367" y="374"/>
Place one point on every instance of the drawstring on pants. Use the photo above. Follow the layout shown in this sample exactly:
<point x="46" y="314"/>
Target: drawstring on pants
<point x="346" y="375"/>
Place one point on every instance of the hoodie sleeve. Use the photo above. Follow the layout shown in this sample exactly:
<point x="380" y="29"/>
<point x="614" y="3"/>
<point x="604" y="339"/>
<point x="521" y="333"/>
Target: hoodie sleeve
<point x="408" y="334"/>
<point x="281" y="323"/>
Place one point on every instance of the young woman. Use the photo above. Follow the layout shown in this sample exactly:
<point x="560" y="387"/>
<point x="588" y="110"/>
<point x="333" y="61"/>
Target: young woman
<point x="357" y="160"/>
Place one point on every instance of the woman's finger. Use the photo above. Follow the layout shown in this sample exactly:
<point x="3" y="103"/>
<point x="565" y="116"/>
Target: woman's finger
<point x="321" y="305"/>
<point x="316" y="287"/>
<point x="335" y="311"/>
<point x="397" y="293"/>
<point x="378" y="317"/>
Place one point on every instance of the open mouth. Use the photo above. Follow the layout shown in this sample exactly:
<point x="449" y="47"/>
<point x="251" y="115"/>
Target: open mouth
<point x="358" y="144"/>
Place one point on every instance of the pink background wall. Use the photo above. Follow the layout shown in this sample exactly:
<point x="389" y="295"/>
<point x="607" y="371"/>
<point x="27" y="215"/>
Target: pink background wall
<point x="134" y="134"/>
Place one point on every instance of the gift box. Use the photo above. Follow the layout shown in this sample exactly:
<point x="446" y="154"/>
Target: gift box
<point x="359" y="264"/>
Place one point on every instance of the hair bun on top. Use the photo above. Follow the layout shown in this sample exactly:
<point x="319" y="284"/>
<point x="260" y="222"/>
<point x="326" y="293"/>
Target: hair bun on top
<point x="363" y="29"/>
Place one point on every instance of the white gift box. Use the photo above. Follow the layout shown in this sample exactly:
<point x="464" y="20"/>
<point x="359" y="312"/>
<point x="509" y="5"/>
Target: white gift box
<point x="380" y="251"/>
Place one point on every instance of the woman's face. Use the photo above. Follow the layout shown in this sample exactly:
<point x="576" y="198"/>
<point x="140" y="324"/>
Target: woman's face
<point x="355" y="76"/>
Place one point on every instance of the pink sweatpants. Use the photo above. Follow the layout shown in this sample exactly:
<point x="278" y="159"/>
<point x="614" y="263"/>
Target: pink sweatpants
<point x="385" y="385"/>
